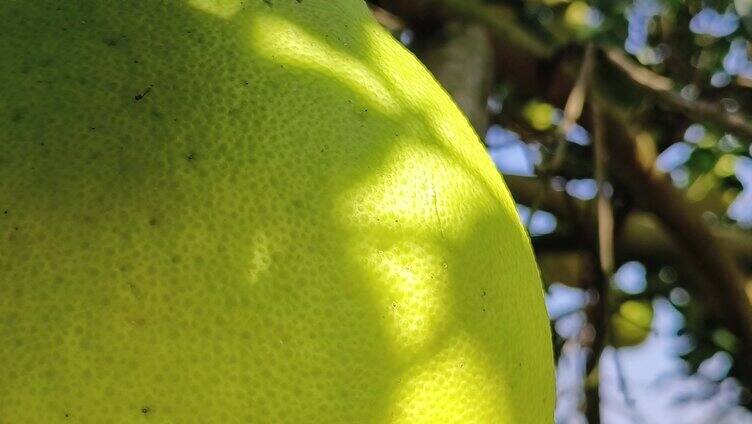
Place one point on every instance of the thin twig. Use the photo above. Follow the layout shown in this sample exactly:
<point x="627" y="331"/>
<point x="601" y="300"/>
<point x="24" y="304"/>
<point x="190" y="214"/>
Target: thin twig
<point x="623" y="387"/>
<point x="605" y="210"/>
<point x="622" y="381"/>
<point x="572" y="112"/>
<point x="574" y="105"/>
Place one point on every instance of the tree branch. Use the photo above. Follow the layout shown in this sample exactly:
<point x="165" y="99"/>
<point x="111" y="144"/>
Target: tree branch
<point x="576" y="100"/>
<point x="575" y="267"/>
<point x="663" y="89"/>
<point x="641" y="237"/>
<point x="498" y="19"/>
<point x="573" y="109"/>
<point x="502" y="23"/>
<point x="464" y="63"/>
<point x="598" y="313"/>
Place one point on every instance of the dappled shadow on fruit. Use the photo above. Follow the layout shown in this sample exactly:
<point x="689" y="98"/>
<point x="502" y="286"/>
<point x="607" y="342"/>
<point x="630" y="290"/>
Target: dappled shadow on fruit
<point x="261" y="213"/>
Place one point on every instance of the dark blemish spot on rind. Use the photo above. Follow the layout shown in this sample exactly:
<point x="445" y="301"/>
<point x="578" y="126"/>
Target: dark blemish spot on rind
<point x="67" y="415"/>
<point x="190" y="156"/>
<point x="145" y="410"/>
<point x="153" y="222"/>
<point x="140" y="96"/>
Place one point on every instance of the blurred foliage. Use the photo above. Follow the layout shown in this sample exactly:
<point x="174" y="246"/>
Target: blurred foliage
<point x="704" y="48"/>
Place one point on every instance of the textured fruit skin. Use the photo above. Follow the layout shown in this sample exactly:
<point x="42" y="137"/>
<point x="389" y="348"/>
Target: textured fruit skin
<point x="263" y="211"/>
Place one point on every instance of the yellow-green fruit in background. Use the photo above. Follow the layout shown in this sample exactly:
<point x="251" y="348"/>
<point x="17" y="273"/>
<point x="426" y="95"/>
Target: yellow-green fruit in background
<point x="259" y="211"/>
<point x="630" y="325"/>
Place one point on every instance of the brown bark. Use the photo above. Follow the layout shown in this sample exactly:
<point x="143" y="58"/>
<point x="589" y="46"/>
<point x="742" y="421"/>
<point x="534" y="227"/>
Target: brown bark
<point x="463" y="62"/>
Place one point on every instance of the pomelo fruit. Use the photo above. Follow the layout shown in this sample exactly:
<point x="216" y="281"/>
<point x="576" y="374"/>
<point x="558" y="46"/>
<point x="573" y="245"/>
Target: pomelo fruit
<point x="630" y="325"/>
<point x="260" y="211"/>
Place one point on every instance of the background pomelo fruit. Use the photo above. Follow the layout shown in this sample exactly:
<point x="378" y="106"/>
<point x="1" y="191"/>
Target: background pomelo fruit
<point x="251" y="211"/>
<point x="630" y="326"/>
